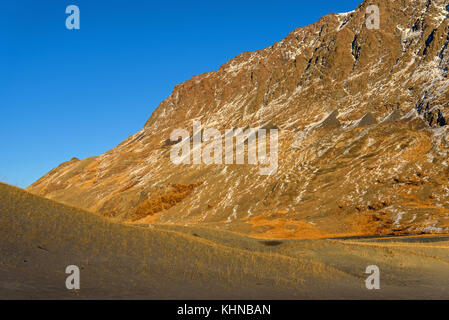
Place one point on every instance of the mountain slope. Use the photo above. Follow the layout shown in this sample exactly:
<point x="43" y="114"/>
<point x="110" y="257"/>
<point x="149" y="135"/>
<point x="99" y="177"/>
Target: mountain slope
<point x="377" y="166"/>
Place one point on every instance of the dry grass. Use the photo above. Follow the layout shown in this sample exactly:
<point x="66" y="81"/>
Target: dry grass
<point x="131" y="261"/>
<point x="163" y="201"/>
<point x="275" y="226"/>
<point x="41" y="237"/>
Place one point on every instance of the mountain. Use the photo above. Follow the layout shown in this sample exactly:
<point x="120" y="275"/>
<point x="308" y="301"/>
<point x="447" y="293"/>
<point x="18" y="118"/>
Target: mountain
<point x="363" y="142"/>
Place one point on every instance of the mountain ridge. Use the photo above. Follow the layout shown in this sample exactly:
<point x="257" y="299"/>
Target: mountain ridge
<point x="379" y="178"/>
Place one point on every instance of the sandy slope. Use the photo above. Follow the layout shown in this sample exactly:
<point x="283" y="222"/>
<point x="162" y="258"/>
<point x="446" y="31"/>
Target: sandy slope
<point x="39" y="238"/>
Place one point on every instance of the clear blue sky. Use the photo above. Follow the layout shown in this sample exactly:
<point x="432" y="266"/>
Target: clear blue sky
<point x="78" y="93"/>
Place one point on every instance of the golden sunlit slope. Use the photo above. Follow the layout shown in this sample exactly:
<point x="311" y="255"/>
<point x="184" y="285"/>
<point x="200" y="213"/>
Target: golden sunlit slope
<point x="40" y="238"/>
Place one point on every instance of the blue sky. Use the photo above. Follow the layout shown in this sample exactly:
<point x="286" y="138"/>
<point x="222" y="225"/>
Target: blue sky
<point x="78" y="93"/>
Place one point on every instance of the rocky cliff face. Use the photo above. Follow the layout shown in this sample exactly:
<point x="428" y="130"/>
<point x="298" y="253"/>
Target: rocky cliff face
<point x="363" y="139"/>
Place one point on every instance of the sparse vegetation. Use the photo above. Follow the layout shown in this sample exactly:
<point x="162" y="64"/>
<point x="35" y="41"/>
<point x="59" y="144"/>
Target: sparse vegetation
<point x="41" y="237"/>
<point x="163" y="201"/>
